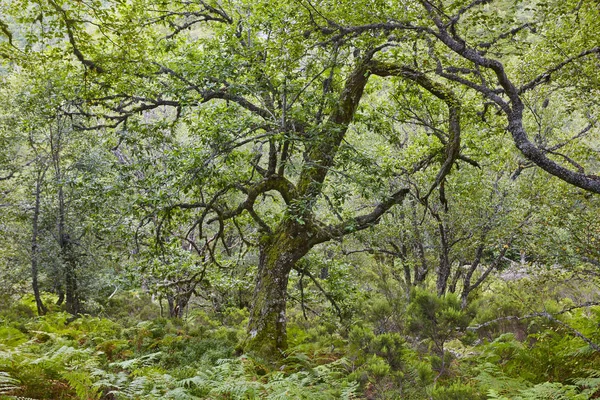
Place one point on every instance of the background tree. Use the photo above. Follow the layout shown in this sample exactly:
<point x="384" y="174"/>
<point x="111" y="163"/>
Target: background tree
<point x="58" y="174"/>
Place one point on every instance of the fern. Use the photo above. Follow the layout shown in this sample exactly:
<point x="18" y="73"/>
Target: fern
<point x="54" y="360"/>
<point x="81" y="381"/>
<point x="179" y="394"/>
<point x="544" y="391"/>
<point x="8" y="384"/>
<point x="139" y="362"/>
<point x="190" y="382"/>
<point x="554" y="391"/>
<point x="491" y="377"/>
<point x="494" y="395"/>
<point x="589" y="385"/>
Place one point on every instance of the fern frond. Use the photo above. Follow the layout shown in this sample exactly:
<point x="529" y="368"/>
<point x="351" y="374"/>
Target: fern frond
<point x="134" y="363"/>
<point x="8" y="384"/>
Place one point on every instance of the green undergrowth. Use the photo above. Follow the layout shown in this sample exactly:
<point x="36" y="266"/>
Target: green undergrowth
<point x="431" y="354"/>
<point x="55" y="357"/>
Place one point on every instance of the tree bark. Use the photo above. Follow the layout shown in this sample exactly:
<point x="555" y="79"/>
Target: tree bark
<point x="176" y="306"/>
<point x="514" y="107"/>
<point x="65" y="243"/>
<point x="179" y="299"/>
<point x="61" y="295"/>
<point x="68" y="258"/>
<point x="443" y="272"/>
<point x="66" y="246"/>
<point x="454" y="281"/>
<point x="467" y="287"/>
<point x="41" y="308"/>
<point x="421" y="270"/>
<point x="71" y="292"/>
<point x="279" y="254"/>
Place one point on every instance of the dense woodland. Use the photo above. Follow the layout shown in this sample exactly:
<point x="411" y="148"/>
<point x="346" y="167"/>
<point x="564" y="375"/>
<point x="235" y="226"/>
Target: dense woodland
<point x="258" y="199"/>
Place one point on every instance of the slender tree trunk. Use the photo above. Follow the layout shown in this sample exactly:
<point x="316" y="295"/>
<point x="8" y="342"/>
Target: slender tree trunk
<point x="72" y="299"/>
<point x="68" y="258"/>
<point x="67" y="255"/>
<point x="174" y="308"/>
<point x="71" y="292"/>
<point x="443" y="272"/>
<point x="464" y="296"/>
<point x="457" y="274"/>
<point x="421" y="271"/>
<point x="267" y="325"/>
<point x="61" y="295"/>
<point x="407" y="275"/>
<point x="66" y="246"/>
<point x="178" y="302"/>
<point x="41" y="309"/>
<point x="467" y="279"/>
<point x="467" y="286"/>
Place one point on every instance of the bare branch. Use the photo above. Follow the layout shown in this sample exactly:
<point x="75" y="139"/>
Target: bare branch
<point x="512" y="32"/>
<point x="466" y="8"/>
<point x="546" y="76"/>
<point x="306" y="272"/>
<point x="4" y="29"/>
<point x="442" y="93"/>
<point x="9" y="176"/>
<point x="577" y="136"/>
<point x="373" y="251"/>
<point x="358" y="223"/>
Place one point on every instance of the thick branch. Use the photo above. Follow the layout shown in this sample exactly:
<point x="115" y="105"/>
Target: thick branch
<point x="320" y="157"/>
<point x="442" y="93"/>
<point x="515" y="112"/>
<point x="360" y="222"/>
<point x="90" y="64"/>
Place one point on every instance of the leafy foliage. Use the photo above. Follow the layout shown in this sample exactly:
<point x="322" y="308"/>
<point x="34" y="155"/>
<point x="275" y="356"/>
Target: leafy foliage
<point x="334" y="199"/>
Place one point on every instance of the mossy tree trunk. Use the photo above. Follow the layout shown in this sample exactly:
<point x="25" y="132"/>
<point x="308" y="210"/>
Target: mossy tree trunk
<point x="278" y="255"/>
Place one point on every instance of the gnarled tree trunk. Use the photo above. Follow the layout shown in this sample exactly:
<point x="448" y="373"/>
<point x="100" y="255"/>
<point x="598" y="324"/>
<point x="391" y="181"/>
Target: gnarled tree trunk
<point x="278" y="256"/>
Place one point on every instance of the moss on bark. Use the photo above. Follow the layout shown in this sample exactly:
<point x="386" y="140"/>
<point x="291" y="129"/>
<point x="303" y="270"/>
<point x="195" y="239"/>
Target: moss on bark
<point x="267" y="335"/>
